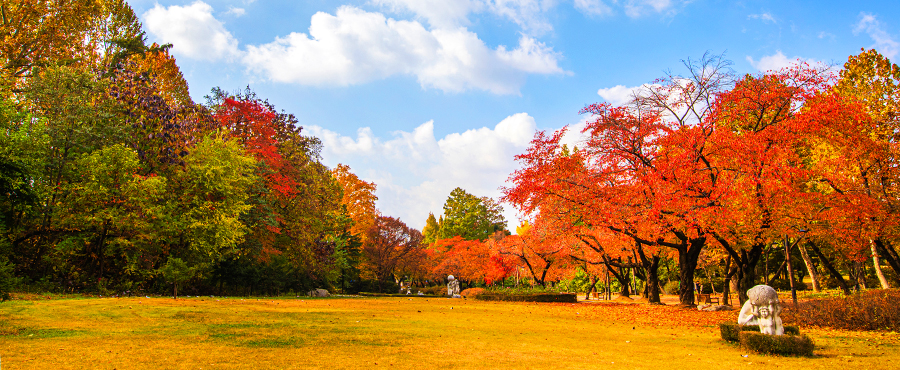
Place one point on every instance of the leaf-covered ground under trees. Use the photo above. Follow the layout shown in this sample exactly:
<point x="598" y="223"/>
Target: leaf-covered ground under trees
<point x="422" y="333"/>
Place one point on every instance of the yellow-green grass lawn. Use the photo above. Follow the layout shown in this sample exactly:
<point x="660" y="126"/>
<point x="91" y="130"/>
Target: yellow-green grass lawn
<point x="402" y="333"/>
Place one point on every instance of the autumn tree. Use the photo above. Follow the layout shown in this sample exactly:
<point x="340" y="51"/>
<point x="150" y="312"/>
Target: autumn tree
<point x="865" y="180"/>
<point x="539" y="248"/>
<point x="432" y="229"/>
<point x="648" y="162"/>
<point x="389" y="242"/>
<point x="359" y="199"/>
<point x="760" y="124"/>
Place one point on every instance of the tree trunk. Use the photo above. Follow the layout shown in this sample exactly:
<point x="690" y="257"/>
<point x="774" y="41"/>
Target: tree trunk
<point x="651" y="268"/>
<point x="745" y="264"/>
<point x="653" y="281"/>
<point x="886" y="251"/>
<point x="811" y="268"/>
<point x="860" y="268"/>
<point x="729" y="275"/>
<point x="608" y="291"/>
<point x="621" y="277"/>
<point x="688" y="255"/>
<point x="592" y="288"/>
<point x="831" y="270"/>
<point x="877" y="262"/>
<point x="778" y="271"/>
<point x="787" y="257"/>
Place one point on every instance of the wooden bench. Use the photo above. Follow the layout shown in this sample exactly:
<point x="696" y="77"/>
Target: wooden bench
<point x="706" y="299"/>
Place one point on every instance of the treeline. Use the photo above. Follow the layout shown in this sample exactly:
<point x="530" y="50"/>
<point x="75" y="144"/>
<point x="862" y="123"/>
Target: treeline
<point x="113" y="180"/>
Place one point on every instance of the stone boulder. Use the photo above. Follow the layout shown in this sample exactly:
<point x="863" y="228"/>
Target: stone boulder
<point x="714" y="307"/>
<point x="319" y="293"/>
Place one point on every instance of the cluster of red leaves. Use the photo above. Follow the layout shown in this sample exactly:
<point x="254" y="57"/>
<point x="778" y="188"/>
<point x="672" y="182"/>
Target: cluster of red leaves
<point x="255" y="126"/>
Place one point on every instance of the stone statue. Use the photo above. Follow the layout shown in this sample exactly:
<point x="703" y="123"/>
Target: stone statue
<point x="762" y="308"/>
<point x="453" y="287"/>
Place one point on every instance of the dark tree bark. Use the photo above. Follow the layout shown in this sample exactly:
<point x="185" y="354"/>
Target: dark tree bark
<point x="745" y="265"/>
<point x="688" y="255"/>
<point x="730" y="271"/>
<point x="651" y="267"/>
<point x="887" y="252"/>
<point x="831" y="270"/>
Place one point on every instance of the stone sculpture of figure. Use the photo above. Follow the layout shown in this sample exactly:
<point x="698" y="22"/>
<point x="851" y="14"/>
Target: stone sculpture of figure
<point x="762" y="308"/>
<point x="453" y="287"/>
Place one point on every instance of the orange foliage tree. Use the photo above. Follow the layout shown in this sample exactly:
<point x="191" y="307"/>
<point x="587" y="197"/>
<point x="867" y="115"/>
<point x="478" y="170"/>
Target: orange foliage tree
<point x="359" y="199"/>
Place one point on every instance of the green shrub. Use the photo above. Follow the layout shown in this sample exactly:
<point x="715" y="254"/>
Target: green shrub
<point x="432" y="290"/>
<point x="731" y="331"/>
<point x="671" y="287"/>
<point x="792" y="345"/>
<point x="537" y="297"/>
<point x="871" y="310"/>
<point x="8" y="281"/>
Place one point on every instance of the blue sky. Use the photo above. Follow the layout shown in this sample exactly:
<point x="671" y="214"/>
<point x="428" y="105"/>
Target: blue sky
<point x="422" y="96"/>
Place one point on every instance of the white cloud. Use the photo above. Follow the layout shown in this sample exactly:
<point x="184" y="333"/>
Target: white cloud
<point x="637" y="8"/>
<point x="446" y="14"/>
<point x="438" y="13"/>
<point x="778" y="61"/>
<point x="619" y="94"/>
<point x="192" y="30"/>
<point x="824" y="35"/>
<point x="415" y="171"/>
<point x="592" y="7"/>
<point x="765" y="17"/>
<point x="237" y="12"/>
<point x="528" y="14"/>
<point x="884" y="42"/>
<point x="354" y="46"/>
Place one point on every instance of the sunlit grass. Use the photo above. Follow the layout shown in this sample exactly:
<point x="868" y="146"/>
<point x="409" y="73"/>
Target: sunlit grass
<point x="139" y="333"/>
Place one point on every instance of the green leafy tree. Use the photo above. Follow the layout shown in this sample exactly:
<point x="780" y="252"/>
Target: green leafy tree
<point x="112" y="210"/>
<point x="177" y="272"/>
<point x="471" y="217"/>
<point x="207" y="199"/>
<point x="8" y="280"/>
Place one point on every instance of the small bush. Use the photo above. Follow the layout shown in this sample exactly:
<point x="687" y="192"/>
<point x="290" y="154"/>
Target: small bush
<point x="792" y="345"/>
<point x="432" y="290"/>
<point x="472" y="292"/>
<point x="731" y="331"/>
<point x="539" y="297"/>
<point x="8" y="281"/>
<point x="871" y="310"/>
<point x="671" y="287"/>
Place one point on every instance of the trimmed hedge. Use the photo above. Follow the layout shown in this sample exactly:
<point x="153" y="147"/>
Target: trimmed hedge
<point x="792" y="345"/>
<point x="537" y="297"/>
<point x="731" y="331"/>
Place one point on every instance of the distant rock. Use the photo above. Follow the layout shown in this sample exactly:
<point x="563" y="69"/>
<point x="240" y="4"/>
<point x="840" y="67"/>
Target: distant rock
<point x="319" y="293"/>
<point x="713" y="307"/>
